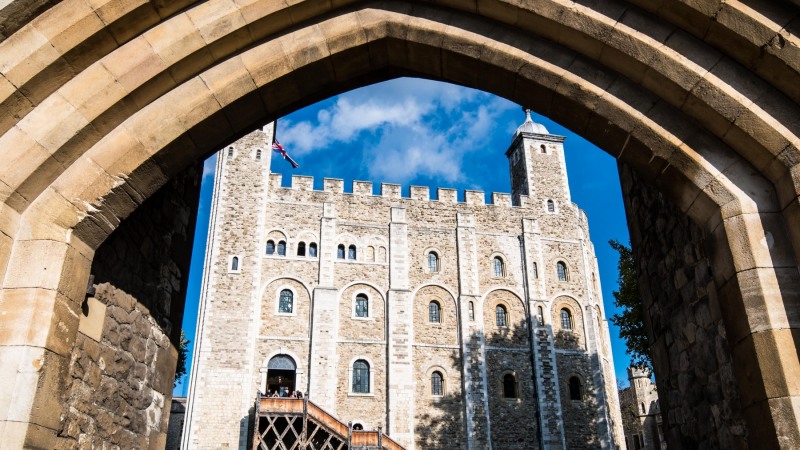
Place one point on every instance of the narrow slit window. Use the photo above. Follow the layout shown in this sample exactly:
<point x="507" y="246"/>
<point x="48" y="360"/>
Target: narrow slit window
<point x="540" y="317"/>
<point x="360" y="377"/>
<point x="575" y="389"/>
<point x="433" y="262"/>
<point x="566" y="319"/>
<point x="362" y="306"/>
<point x="498" y="267"/>
<point x="561" y="271"/>
<point x="286" y="303"/>
<point x="551" y="206"/>
<point x="471" y="311"/>
<point x="501" y="316"/>
<point x="509" y="386"/>
<point x="437" y="387"/>
<point x="535" y="268"/>
<point x="235" y="263"/>
<point x="434" y="312"/>
<point x="258" y="154"/>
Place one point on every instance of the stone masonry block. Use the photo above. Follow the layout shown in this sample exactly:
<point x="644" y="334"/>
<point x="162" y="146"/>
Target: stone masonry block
<point x="420" y="192"/>
<point x="389" y="190"/>
<point x="474" y="198"/>
<point x="334" y="185"/>
<point x="302" y="183"/>
<point x="447" y="195"/>
<point x="362" y="188"/>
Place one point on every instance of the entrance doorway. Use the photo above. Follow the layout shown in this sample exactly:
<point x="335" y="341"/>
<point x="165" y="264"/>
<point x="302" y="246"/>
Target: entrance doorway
<point x="281" y="375"/>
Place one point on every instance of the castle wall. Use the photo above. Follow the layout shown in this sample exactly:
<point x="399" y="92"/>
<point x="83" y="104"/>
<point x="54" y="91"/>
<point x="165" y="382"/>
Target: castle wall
<point x="684" y="321"/>
<point x="125" y="353"/>
<point x="393" y="237"/>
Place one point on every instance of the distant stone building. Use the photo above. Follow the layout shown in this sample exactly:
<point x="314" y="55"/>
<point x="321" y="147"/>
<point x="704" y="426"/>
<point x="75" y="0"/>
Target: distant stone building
<point x="177" y="415"/>
<point x="447" y="324"/>
<point x="641" y="413"/>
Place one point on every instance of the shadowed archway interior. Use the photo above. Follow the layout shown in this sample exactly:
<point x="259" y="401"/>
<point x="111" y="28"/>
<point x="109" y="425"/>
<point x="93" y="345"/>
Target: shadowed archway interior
<point x="103" y="104"/>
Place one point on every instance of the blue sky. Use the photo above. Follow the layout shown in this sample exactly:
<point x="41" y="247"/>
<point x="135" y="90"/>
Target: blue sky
<point x="420" y="132"/>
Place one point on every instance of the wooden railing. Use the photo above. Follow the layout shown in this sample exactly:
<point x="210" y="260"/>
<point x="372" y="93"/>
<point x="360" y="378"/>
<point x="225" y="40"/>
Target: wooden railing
<point x="267" y="406"/>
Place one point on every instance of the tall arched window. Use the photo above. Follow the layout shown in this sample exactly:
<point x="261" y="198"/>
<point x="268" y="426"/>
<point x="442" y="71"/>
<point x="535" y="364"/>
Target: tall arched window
<point x="540" y="318"/>
<point x="301" y="249"/>
<point x="370" y="254"/>
<point x="498" y="266"/>
<point x="235" y="263"/>
<point x="281" y="248"/>
<point x="312" y="249"/>
<point x="500" y="316"/>
<point x="340" y="251"/>
<point x="362" y="306"/>
<point x="437" y="388"/>
<point x="433" y="262"/>
<point x="509" y="386"/>
<point x="575" y="390"/>
<point x="361" y="377"/>
<point x="535" y="268"/>
<point x="551" y="206"/>
<point x="561" y="270"/>
<point x="270" y="247"/>
<point x="351" y="252"/>
<point x="566" y="319"/>
<point x="434" y="312"/>
<point x="286" y="303"/>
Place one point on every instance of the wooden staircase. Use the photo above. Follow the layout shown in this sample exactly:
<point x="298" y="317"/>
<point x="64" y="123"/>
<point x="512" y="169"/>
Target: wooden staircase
<point x="298" y="424"/>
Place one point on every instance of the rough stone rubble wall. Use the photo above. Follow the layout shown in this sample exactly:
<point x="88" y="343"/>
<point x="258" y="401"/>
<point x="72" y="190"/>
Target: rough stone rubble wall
<point x="120" y="387"/>
<point x="696" y="384"/>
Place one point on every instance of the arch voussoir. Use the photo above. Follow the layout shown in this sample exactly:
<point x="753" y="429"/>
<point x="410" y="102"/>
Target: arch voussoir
<point x="107" y="135"/>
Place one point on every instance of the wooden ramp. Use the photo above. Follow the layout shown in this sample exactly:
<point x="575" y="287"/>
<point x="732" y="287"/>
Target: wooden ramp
<point x="298" y="424"/>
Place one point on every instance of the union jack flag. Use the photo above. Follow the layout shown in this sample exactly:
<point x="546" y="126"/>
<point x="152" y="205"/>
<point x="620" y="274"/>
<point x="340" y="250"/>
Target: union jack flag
<point x="277" y="147"/>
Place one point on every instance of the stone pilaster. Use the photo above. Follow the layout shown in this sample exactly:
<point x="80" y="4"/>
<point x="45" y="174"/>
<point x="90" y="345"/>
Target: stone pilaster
<point x="474" y="348"/>
<point x="545" y="368"/>
<point x="324" y="358"/>
<point x="400" y="311"/>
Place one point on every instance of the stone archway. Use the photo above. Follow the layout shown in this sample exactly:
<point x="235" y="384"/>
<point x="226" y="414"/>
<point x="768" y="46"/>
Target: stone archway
<point x="101" y="105"/>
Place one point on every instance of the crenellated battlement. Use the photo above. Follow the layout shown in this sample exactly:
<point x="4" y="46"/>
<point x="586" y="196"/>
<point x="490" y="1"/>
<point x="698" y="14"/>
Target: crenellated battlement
<point x="395" y="191"/>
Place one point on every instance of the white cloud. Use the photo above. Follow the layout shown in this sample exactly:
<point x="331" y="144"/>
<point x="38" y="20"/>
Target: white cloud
<point x="420" y="127"/>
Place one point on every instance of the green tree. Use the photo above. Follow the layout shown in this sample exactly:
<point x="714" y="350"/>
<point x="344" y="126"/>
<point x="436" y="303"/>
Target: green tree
<point x="631" y="319"/>
<point x="183" y="350"/>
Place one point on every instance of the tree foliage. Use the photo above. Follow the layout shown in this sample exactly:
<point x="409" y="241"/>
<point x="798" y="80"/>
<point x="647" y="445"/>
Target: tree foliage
<point x="631" y="320"/>
<point x="183" y="350"/>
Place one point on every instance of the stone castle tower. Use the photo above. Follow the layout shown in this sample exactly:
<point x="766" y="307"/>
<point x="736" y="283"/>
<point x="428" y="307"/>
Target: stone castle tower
<point x="447" y="324"/>
<point x="641" y="413"/>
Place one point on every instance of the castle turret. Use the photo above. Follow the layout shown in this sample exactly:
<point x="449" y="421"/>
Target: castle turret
<point x="537" y="166"/>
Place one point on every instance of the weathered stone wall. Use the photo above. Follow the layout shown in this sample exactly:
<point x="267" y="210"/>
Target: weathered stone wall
<point x="393" y="237"/>
<point x="580" y="418"/>
<point x="121" y="378"/>
<point x="696" y="383"/>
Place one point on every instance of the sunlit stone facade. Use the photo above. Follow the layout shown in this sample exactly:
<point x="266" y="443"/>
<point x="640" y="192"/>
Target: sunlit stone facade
<point x="447" y="323"/>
